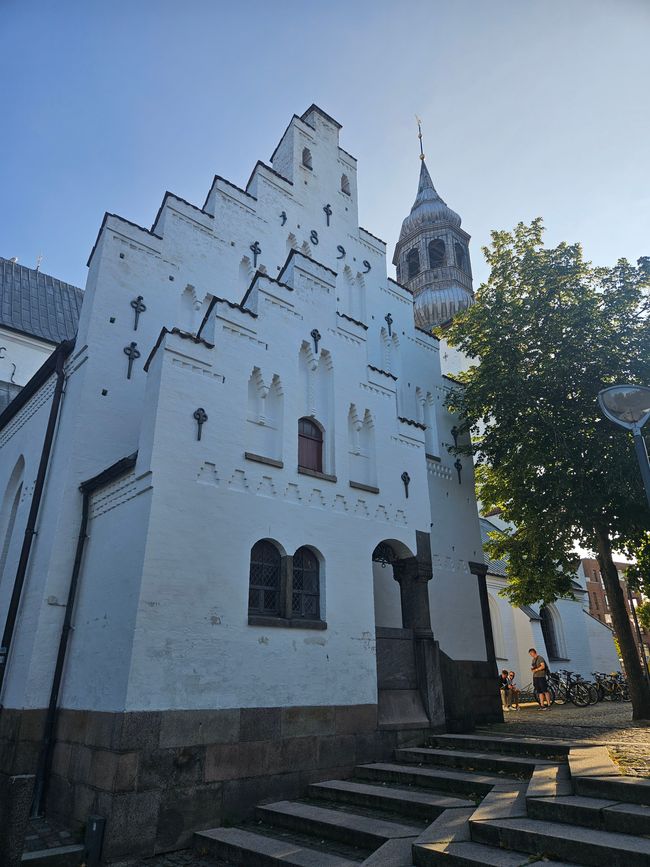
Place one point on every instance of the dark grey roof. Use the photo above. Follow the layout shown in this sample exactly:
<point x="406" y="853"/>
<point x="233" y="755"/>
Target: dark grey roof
<point x="495" y="567"/>
<point x="36" y="304"/>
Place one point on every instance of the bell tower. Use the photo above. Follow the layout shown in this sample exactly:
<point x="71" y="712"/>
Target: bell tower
<point x="432" y="256"/>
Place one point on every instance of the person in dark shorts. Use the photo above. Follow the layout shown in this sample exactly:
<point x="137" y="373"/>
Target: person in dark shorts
<point x="540" y="683"/>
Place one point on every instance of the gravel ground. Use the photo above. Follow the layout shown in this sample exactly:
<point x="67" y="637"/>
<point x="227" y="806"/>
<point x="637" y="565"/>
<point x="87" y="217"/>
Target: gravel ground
<point x="606" y="723"/>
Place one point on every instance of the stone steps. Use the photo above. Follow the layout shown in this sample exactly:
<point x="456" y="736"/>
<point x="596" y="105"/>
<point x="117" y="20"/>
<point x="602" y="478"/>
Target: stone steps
<point x="352" y="828"/>
<point x="456" y="782"/>
<point x="405" y="802"/>
<point x="585" y="846"/>
<point x="633" y="790"/>
<point x="592" y="813"/>
<point x="520" y="746"/>
<point x="493" y="762"/>
<point x="495" y="806"/>
<point x="251" y="849"/>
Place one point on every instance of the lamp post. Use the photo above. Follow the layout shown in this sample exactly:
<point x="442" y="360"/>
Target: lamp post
<point x="629" y="407"/>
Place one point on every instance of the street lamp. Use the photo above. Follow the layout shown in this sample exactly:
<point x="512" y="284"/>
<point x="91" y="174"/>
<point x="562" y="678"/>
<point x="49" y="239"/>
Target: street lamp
<point x="629" y="406"/>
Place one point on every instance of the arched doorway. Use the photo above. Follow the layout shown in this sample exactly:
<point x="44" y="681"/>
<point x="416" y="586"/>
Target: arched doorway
<point x="409" y="686"/>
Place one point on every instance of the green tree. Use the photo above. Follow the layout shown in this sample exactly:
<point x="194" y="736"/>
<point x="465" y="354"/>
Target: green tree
<point x="547" y="332"/>
<point x="643" y="615"/>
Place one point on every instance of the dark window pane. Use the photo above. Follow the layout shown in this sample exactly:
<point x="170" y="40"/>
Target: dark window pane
<point x="305" y="599"/>
<point x="310" y="445"/>
<point x="436" y="253"/>
<point x="264" y="579"/>
<point x="413" y="262"/>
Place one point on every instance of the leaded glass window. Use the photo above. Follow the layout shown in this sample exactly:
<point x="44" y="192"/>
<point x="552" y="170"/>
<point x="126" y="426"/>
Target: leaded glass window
<point x="264" y="581"/>
<point x="305" y="592"/>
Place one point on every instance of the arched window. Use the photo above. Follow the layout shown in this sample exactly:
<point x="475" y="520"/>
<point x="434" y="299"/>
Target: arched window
<point x="436" y="253"/>
<point x="413" y="262"/>
<point x="306" y="158"/>
<point x="264" y="579"/>
<point x="305" y="592"/>
<point x="497" y="628"/>
<point x="461" y="256"/>
<point x="310" y="445"/>
<point x="345" y="185"/>
<point x="549" y="633"/>
<point x="10" y="504"/>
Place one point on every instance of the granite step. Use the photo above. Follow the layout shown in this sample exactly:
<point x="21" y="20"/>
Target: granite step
<point x="520" y="746"/>
<point x="240" y="846"/>
<point x="406" y="802"/>
<point x="461" y="783"/>
<point x="631" y="790"/>
<point x="57" y="856"/>
<point x="468" y="854"/>
<point x="592" y="813"/>
<point x="352" y="828"/>
<point x="584" y="846"/>
<point x="511" y="765"/>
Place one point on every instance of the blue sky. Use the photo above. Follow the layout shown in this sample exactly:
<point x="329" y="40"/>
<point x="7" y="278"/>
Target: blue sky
<point x="530" y="107"/>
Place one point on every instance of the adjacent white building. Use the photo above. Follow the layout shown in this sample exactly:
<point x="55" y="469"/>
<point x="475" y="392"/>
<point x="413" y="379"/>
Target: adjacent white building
<point x="235" y="488"/>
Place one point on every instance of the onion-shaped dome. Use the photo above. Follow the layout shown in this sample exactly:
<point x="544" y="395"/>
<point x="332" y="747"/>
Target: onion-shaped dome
<point x="428" y="208"/>
<point x="438" y="306"/>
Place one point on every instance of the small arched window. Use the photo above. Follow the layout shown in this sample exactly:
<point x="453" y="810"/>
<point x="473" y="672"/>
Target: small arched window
<point x="306" y="158"/>
<point x="461" y="256"/>
<point x="436" y="253"/>
<point x="413" y="262"/>
<point x="310" y="445"/>
<point x="345" y="185"/>
<point x="549" y="633"/>
<point x="305" y="592"/>
<point x="264" y="579"/>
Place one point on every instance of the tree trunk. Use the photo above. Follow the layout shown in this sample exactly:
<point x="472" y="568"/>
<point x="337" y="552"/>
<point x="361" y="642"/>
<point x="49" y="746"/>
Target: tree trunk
<point x="637" y="683"/>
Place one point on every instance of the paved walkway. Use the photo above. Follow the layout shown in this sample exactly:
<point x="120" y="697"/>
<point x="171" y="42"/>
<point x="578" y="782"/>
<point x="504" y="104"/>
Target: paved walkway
<point x="608" y="723"/>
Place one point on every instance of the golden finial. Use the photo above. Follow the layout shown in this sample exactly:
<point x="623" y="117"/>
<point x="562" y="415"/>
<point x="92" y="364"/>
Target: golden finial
<point x="419" y="122"/>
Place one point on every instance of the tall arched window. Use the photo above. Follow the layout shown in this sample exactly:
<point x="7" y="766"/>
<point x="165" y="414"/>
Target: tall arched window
<point x="461" y="256"/>
<point x="310" y="445"/>
<point x="436" y="253"/>
<point x="497" y="628"/>
<point x="549" y="633"/>
<point x="413" y="262"/>
<point x="10" y="504"/>
<point x="345" y="185"/>
<point x="264" y="579"/>
<point x="306" y="158"/>
<point x="305" y="593"/>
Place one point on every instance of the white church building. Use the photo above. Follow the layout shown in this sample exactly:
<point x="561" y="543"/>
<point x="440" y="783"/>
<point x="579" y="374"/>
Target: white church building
<point x="236" y="554"/>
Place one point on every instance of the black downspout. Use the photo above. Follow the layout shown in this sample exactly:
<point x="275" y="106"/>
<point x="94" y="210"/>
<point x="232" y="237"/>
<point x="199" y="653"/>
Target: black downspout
<point x="30" y="530"/>
<point x="47" y="744"/>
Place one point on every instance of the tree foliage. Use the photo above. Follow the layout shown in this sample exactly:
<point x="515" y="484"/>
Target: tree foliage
<point x="550" y="330"/>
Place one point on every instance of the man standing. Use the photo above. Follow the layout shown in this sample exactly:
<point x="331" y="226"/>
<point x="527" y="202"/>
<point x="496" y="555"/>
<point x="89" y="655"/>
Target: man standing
<point x="540" y="683"/>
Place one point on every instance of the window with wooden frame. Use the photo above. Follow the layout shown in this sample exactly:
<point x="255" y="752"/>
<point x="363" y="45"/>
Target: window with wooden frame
<point x="310" y="445"/>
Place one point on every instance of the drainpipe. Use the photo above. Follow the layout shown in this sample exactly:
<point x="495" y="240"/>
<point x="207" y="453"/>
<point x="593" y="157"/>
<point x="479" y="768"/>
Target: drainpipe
<point x="47" y="744"/>
<point x="61" y="353"/>
<point x="44" y="768"/>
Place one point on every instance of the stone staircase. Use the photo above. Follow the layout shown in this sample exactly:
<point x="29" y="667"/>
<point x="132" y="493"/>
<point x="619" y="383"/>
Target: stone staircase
<point x="465" y="800"/>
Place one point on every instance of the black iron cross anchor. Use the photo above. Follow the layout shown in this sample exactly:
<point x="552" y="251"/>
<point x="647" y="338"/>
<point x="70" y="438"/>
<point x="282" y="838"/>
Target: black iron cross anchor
<point x="201" y="417"/>
<point x="139" y="308"/>
<point x="458" y="467"/>
<point x="389" y="322"/>
<point x="328" y="213"/>
<point x="406" y="479"/>
<point x="131" y="353"/>
<point x="315" y="334"/>
<point x="283" y="217"/>
<point x="255" y="250"/>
